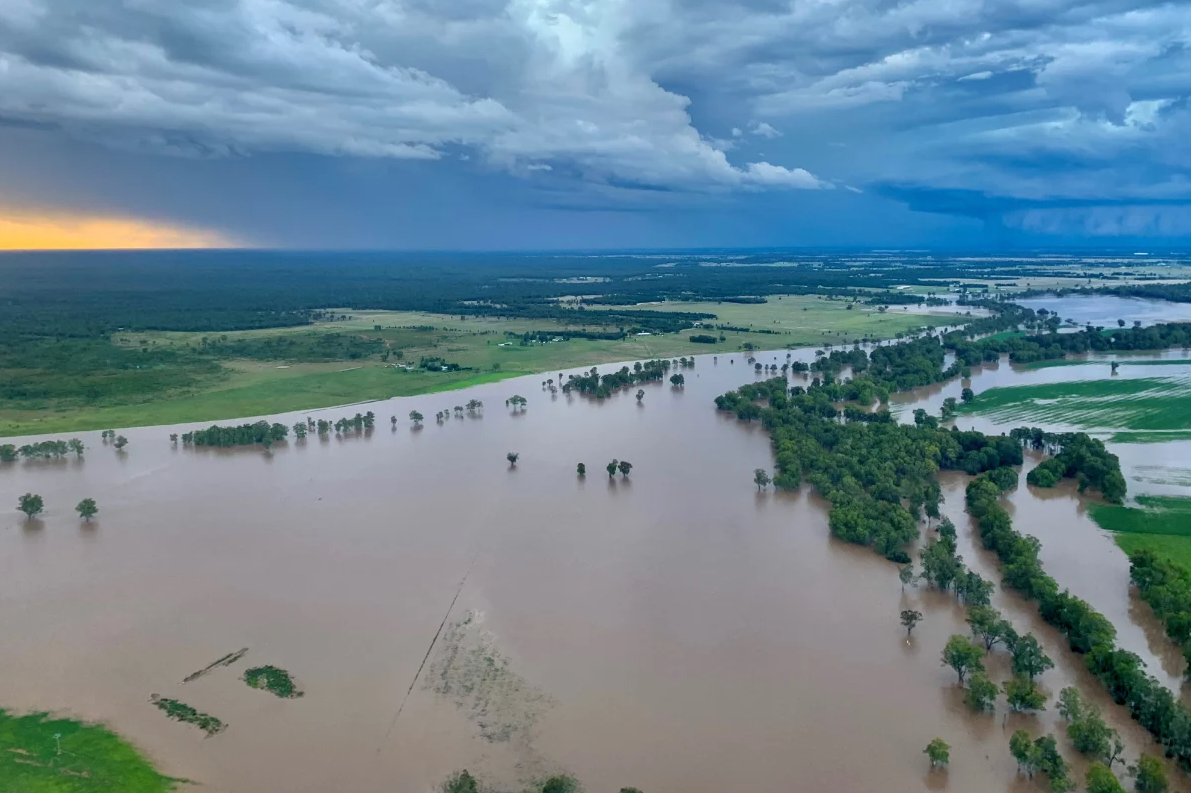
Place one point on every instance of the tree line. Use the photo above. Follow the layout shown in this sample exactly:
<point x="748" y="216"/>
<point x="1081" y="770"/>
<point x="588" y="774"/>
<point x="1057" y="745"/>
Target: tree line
<point x="44" y="450"/>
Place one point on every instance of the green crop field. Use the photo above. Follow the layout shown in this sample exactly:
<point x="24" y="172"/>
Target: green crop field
<point x="194" y="389"/>
<point x="1152" y="404"/>
<point x="1161" y="524"/>
<point x="1123" y="361"/>
<point x="41" y="754"/>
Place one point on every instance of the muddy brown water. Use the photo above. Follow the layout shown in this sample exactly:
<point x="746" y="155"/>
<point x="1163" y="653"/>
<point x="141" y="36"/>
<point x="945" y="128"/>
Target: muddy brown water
<point x="675" y="631"/>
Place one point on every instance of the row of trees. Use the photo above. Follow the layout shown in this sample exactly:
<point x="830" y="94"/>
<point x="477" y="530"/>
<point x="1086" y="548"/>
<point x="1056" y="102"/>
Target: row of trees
<point x="1088" y="632"/>
<point x="1166" y="586"/>
<point x="44" y="450"/>
<point x="602" y="386"/>
<point x="261" y="432"/>
<point x="33" y="505"/>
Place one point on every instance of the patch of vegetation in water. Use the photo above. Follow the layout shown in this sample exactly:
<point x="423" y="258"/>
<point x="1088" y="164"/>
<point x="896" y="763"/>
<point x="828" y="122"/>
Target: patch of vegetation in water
<point x="41" y="754"/>
<point x="180" y="711"/>
<point x="464" y="782"/>
<point x="1151" y="403"/>
<point x="226" y="660"/>
<point x="1156" y="436"/>
<point x="274" y="680"/>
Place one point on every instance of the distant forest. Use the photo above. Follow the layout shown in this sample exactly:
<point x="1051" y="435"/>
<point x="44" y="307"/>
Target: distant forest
<point x="91" y="295"/>
<point x="59" y="310"/>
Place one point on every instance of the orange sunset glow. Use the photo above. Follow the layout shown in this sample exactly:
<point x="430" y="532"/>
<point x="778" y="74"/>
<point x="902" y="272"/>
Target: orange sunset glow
<point x="22" y="233"/>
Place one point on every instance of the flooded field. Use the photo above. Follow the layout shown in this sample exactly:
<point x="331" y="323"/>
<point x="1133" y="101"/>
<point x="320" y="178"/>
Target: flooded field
<point x="674" y="630"/>
<point x="1105" y="310"/>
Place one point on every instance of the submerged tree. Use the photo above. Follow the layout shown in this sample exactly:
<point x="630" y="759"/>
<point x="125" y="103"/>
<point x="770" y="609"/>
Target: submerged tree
<point x="905" y="574"/>
<point x="512" y="457"/>
<point x="1100" y="779"/>
<point x="174" y="438"/>
<point x="677" y="380"/>
<point x="624" y="466"/>
<point x="982" y="692"/>
<point x="938" y="752"/>
<point x="87" y="509"/>
<point x="611" y="468"/>
<point x="1023" y="694"/>
<point x="1149" y="775"/>
<point x="415" y="417"/>
<point x="1028" y="657"/>
<point x="909" y="619"/>
<point x="31" y="504"/>
<point x="121" y="441"/>
<point x="517" y="402"/>
<point x="761" y="479"/>
<point x="581" y="469"/>
<point x="77" y="446"/>
<point x="300" y="430"/>
<point x="640" y="394"/>
<point x="962" y="656"/>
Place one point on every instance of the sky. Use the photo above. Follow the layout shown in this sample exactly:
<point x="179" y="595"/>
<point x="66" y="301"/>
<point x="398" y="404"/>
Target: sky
<point x="559" y="124"/>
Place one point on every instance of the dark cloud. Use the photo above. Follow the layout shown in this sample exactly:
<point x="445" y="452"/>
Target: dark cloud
<point x="1044" y="116"/>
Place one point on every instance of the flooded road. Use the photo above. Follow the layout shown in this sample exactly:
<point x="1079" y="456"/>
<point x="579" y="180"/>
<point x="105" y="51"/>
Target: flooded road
<point x="675" y="630"/>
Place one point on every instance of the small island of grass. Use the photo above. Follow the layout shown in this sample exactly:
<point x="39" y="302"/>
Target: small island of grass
<point x="276" y="681"/>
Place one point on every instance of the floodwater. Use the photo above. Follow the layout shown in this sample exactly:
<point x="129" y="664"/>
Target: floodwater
<point x="675" y="631"/>
<point x="1105" y="310"/>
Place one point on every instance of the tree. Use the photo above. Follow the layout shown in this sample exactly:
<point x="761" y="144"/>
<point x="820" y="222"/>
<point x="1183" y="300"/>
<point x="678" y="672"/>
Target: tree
<point x="1149" y="775"/>
<point x="1028" y="658"/>
<point x="1114" y="366"/>
<point x="462" y="782"/>
<point x="517" y="401"/>
<point x="581" y="469"/>
<point x="77" y="446"/>
<point x="300" y="430"/>
<point x="640" y="394"/>
<point x="512" y="457"/>
<point x="415" y="417"/>
<point x="1120" y="323"/>
<point x="1086" y="728"/>
<point x="1022" y="749"/>
<point x="31" y="504"/>
<point x="87" y="509"/>
<point x="174" y="438"/>
<point x="624" y="466"/>
<point x="939" y="753"/>
<point x="963" y="656"/>
<point x="679" y="380"/>
<point x="121" y="441"/>
<point x="982" y="692"/>
<point x="905" y="574"/>
<point x="910" y="618"/>
<point x="393" y="421"/>
<point x="1100" y="779"/>
<point x="989" y="627"/>
<point x="1023" y="694"/>
<point x="761" y="479"/>
<point x="611" y="468"/>
<point x="967" y="395"/>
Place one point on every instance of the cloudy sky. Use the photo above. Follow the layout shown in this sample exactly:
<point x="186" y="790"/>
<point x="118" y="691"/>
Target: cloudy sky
<point x="606" y="123"/>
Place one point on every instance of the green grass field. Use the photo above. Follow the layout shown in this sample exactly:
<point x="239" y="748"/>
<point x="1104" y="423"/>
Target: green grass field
<point x="1152" y="404"/>
<point x="82" y="759"/>
<point x="242" y="388"/>
<point x="1123" y="361"/>
<point x="1161" y="524"/>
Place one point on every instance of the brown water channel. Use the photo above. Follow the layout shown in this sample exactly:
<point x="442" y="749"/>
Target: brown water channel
<point x="676" y="631"/>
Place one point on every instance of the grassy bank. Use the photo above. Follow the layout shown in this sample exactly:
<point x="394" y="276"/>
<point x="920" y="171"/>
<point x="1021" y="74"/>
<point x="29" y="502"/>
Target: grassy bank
<point x="1151" y="404"/>
<point x="193" y="381"/>
<point x="1161" y="524"/>
<point x="40" y="754"/>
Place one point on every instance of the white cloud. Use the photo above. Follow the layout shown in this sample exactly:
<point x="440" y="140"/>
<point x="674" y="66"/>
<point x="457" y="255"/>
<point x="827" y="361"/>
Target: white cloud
<point x="339" y="77"/>
<point x="764" y="130"/>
